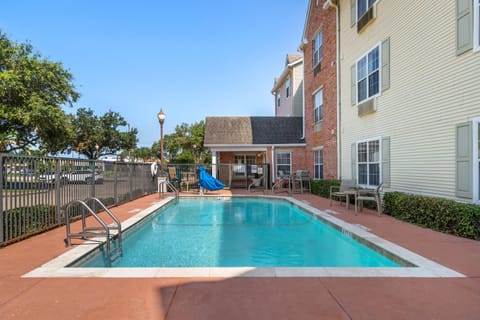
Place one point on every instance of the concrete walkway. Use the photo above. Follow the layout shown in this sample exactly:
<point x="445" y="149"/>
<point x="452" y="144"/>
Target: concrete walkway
<point x="247" y="298"/>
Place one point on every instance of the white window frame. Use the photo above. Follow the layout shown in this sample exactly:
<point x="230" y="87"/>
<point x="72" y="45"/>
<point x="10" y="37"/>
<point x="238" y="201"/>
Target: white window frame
<point x="283" y="152"/>
<point x="287" y="87"/>
<point x="319" y="164"/>
<point x="357" y="7"/>
<point x="368" y="185"/>
<point x="317" y="108"/>
<point x="242" y="164"/>
<point x="379" y="46"/>
<point x="476" y="25"/>
<point x="318" y="48"/>
<point x="279" y="99"/>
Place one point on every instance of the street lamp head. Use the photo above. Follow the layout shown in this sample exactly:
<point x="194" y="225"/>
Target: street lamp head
<point x="161" y="116"/>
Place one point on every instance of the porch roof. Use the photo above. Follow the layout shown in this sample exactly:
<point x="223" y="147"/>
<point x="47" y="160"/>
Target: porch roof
<point x="237" y="131"/>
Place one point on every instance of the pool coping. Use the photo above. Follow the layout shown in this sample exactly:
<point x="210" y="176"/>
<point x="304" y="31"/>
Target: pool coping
<point x="424" y="268"/>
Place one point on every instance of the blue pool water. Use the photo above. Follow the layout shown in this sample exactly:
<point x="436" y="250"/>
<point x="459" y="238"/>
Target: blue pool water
<point x="239" y="232"/>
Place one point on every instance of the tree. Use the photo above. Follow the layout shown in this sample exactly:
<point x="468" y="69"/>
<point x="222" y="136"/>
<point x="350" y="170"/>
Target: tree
<point x="32" y="93"/>
<point x="185" y="145"/>
<point x="96" y="136"/>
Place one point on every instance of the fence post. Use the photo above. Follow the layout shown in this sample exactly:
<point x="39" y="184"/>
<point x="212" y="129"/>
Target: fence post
<point x="92" y="169"/>
<point x="57" y="192"/>
<point x="130" y="180"/>
<point x="115" y="188"/>
<point x="4" y="180"/>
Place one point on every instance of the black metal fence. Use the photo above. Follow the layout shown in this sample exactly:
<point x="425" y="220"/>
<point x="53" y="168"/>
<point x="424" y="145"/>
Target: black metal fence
<point x="36" y="190"/>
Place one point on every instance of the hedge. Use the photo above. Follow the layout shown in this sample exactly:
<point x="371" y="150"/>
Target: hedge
<point x="21" y="222"/>
<point x="439" y="214"/>
<point x="322" y="187"/>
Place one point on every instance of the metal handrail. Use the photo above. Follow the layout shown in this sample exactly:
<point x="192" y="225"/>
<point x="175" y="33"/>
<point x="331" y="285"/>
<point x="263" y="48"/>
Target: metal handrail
<point x="85" y="232"/>
<point x="89" y="232"/>
<point x="167" y="185"/>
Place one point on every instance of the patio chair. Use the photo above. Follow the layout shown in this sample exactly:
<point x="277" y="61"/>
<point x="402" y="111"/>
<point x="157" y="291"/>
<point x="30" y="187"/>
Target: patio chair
<point x="189" y="179"/>
<point x="343" y="190"/>
<point x="369" y="195"/>
<point x="172" y="176"/>
<point x="256" y="182"/>
<point x="301" y="179"/>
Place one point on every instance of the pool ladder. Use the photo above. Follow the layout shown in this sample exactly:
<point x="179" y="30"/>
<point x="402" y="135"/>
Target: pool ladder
<point x="112" y="232"/>
<point x="163" y="188"/>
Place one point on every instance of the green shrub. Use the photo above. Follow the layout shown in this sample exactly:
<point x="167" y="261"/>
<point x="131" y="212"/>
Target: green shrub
<point x="20" y="222"/>
<point x="322" y="187"/>
<point x="443" y="215"/>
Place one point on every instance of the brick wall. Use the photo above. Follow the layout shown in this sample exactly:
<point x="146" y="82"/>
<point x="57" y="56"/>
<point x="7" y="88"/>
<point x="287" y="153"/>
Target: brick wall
<point x="326" y="137"/>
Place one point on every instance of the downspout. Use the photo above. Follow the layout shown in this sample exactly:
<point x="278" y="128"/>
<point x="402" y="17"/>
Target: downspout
<point x="335" y="4"/>
<point x="339" y="101"/>
<point x="273" y="164"/>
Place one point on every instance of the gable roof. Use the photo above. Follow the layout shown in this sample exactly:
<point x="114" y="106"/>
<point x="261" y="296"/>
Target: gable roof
<point x="253" y="130"/>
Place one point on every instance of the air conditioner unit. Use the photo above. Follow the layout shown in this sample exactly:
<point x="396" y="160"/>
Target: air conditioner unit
<point x="367" y="17"/>
<point x="367" y="107"/>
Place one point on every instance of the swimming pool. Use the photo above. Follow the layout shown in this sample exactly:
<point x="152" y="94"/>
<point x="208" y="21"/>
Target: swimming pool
<point x="60" y="267"/>
<point x="239" y="232"/>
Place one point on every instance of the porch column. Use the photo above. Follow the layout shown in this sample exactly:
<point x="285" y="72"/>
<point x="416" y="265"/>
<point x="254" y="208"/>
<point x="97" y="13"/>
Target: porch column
<point x="214" y="164"/>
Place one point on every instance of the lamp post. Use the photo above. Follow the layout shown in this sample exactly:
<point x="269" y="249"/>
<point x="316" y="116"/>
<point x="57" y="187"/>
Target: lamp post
<point x="161" y="120"/>
<point x="97" y="147"/>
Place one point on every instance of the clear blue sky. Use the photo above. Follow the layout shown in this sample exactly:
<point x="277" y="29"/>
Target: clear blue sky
<point x="192" y="58"/>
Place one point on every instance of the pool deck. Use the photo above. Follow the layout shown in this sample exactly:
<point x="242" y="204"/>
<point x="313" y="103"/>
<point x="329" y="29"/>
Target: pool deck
<point x="248" y="297"/>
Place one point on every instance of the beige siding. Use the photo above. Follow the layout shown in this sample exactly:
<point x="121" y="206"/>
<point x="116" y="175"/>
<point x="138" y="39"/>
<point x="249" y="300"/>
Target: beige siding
<point x="297" y="90"/>
<point x="431" y="90"/>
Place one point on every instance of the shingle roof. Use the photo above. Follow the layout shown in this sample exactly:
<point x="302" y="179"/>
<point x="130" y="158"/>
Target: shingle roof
<point x="293" y="57"/>
<point x="253" y="130"/>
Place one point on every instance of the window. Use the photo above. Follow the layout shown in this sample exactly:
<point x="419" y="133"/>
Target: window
<point x="368" y="162"/>
<point x="318" y="164"/>
<point x="368" y="75"/>
<point x="287" y="88"/>
<point x="318" y="110"/>
<point x="363" y="6"/>
<point x="243" y="164"/>
<point x="279" y="99"/>
<point x="283" y="163"/>
<point x="476" y="25"/>
<point x="317" y="49"/>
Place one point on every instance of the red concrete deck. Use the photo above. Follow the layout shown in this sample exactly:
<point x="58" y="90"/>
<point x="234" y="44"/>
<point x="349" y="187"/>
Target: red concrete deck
<point x="247" y="298"/>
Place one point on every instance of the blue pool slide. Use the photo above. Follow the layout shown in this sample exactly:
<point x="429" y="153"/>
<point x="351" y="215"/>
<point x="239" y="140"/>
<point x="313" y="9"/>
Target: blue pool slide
<point x="208" y="182"/>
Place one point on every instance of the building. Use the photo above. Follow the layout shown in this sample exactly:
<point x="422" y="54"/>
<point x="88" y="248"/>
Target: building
<point x="240" y="146"/>
<point x="410" y="96"/>
<point x="288" y="88"/>
<point x="320" y="90"/>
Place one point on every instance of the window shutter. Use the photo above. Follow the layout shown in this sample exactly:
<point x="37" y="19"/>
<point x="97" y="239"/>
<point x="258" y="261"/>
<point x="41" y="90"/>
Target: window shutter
<point x="353" y="84"/>
<point x="353" y="12"/>
<point x="464" y="26"/>
<point x="354" y="161"/>
<point x="386" y="64"/>
<point x="463" y="161"/>
<point x="386" y="161"/>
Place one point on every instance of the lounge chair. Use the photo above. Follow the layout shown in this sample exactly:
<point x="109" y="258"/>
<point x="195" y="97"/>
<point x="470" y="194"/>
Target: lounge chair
<point x="369" y="195"/>
<point x="301" y="180"/>
<point x="343" y="190"/>
<point x="172" y="176"/>
<point x="256" y="182"/>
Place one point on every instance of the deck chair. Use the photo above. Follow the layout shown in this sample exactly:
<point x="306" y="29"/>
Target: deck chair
<point x="172" y="176"/>
<point x="301" y="180"/>
<point x="369" y="195"/>
<point x="189" y="178"/>
<point x="256" y="182"/>
<point x="340" y="191"/>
